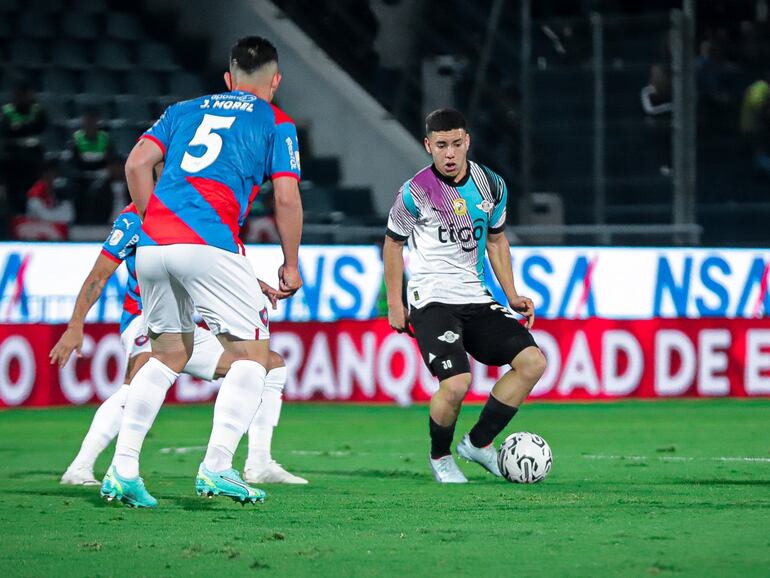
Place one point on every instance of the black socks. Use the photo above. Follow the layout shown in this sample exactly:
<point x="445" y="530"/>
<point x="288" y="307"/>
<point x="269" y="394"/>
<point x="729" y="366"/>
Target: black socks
<point x="440" y="439"/>
<point x="493" y="419"/>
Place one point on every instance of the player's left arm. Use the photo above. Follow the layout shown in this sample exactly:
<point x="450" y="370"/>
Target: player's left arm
<point x="284" y="170"/>
<point x="499" y="252"/>
<point x="140" y="172"/>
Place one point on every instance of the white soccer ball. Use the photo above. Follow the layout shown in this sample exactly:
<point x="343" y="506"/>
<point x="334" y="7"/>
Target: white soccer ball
<point x="525" y="458"/>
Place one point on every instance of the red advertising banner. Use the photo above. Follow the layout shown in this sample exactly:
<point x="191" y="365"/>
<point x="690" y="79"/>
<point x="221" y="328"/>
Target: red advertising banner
<point x="365" y="361"/>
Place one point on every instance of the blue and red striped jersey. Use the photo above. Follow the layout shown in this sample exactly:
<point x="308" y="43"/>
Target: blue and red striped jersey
<point x="218" y="149"/>
<point x="121" y="246"/>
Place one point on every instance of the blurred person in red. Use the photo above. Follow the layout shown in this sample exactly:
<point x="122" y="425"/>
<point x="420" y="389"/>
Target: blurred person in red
<point x="42" y="203"/>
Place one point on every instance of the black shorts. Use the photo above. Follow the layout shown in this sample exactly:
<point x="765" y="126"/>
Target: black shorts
<point x="488" y="331"/>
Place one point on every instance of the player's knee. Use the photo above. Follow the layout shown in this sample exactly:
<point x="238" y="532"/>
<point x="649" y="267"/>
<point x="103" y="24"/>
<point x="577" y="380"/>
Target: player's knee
<point x="174" y="360"/>
<point x="530" y="364"/>
<point x="456" y="387"/>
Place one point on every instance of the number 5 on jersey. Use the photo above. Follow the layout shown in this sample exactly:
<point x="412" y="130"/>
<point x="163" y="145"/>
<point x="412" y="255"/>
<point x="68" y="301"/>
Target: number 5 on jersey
<point x="211" y="140"/>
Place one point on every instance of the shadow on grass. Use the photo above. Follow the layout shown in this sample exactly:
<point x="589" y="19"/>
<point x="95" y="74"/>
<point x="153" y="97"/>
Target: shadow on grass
<point x="201" y="504"/>
<point x="39" y="474"/>
<point x="726" y="482"/>
<point x="371" y="473"/>
<point x="394" y="474"/>
<point x="89" y="494"/>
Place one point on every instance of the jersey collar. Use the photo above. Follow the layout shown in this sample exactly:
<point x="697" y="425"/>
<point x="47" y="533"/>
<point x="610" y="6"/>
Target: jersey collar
<point x="449" y="181"/>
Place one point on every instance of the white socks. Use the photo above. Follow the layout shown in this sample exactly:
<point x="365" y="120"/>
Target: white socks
<point x="236" y="405"/>
<point x="104" y="428"/>
<point x="261" y="428"/>
<point x="145" y="397"/>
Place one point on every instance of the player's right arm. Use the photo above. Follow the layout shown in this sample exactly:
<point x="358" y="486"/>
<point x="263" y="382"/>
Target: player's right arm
<point x="140" y="172"/>
<point x="393" y="262"/>
<point x="72" y="340"/>
<point x="119" y="244"/>
<point x="145" y="158"/>
<point x="401" y="222"/>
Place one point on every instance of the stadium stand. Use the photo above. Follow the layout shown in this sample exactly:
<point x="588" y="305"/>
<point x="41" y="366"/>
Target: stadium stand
<point x="96" y="55"/>
<point x="111" y="55"/>
<point x="639" y="183"/>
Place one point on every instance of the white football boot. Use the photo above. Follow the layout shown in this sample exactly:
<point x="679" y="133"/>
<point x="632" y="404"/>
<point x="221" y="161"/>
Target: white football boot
<point x="486" y="457"/>
<point x="79" y="476"/>
<point x="445" y="471"/>
<point x="270" y="473"/>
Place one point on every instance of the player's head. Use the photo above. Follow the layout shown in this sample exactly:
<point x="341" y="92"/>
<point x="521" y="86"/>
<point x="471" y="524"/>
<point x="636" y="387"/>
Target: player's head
<point x="447" y="141"/>
<point x="254" y="67"/>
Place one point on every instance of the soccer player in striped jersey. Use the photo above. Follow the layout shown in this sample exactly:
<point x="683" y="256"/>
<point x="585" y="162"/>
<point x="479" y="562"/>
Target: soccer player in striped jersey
<point x="208" y="362"/>
<point x="452" y="213"/>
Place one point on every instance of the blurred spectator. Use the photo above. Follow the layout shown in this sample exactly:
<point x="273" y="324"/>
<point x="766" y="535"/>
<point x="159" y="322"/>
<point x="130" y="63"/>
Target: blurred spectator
<point x="710" y="67"/>
<point x="42" y="204"/>
<point x="755" y="121"/>
<point x="105" y="198"/>
<point x="752" y="50"/>
<point x="90" y="148"/>
<point x="21" y="125"/>
<point x="656" y="104"/>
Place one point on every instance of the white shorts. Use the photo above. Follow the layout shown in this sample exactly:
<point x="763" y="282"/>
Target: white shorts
<point x="222" y="286"/>
<point x="206" y="348"/>
<point x="134" y="339"/>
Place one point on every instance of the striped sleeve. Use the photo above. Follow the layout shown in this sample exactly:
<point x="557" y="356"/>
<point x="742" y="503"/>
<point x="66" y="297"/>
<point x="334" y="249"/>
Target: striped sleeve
<point x="403" y="215"/>
<point x="497" y="218"/>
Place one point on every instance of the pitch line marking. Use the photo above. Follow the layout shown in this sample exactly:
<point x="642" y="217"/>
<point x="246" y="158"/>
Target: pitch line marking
<point x="678" y="458"/>
<point x="182" y="450"/>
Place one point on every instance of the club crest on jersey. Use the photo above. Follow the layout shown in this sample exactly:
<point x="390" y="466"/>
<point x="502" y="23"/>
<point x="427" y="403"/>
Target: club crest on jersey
<point x="459" y="207"/>
<point x="141" y="340"/>
<point x="449" y="337"/>
<point x="485" y="206"/>
<point x="264" y="317"/>
<point x="115" y="238"/>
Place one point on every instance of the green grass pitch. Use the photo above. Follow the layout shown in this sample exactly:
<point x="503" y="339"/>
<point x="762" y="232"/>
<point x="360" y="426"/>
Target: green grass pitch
<point x="637" y="489"/>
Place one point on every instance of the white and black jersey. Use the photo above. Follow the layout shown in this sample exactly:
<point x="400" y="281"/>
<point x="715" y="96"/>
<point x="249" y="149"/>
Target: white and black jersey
<point x="446" y="225"/>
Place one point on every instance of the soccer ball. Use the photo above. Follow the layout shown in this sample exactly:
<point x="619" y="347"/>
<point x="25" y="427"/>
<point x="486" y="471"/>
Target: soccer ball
<point x="525" y="458"/>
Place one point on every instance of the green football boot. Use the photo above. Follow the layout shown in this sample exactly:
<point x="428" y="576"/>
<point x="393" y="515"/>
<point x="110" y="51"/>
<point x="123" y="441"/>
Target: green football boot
<point x="226" y="483"/>
<point x="129" y="491"/>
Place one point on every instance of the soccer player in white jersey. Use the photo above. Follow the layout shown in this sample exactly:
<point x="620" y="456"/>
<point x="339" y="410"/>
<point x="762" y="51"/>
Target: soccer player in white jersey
<point x="208" y="362"/>
<point x="452" y="213"/>
<point x="217" y="150"/>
